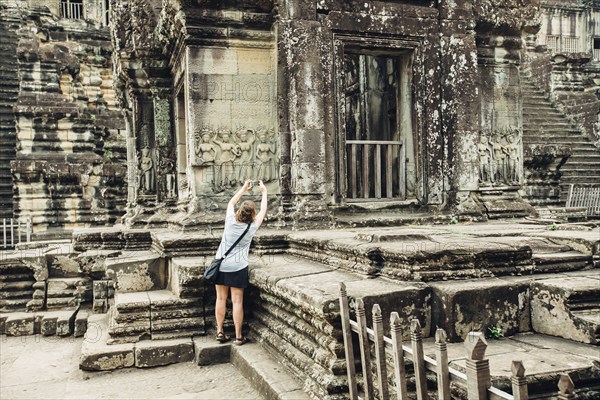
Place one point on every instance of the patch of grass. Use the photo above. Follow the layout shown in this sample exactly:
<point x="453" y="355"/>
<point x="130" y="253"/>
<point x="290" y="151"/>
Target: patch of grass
<point x="553" y="227"/>
<point x="495" y="333"/>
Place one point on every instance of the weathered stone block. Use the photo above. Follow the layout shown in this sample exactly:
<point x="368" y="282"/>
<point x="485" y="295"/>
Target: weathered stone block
<point x="65" y="323"/>
<point x="208" y="351"/>
<point x="163" y="352"/>
<point x="97" y="355"/>
<point x="81" y="323"/>
<point x="19" y="324"/>
<point x="48" y="327"/>
<point x="565" y="307"/>
<point x="476" y="305"/>
<point x="137" y="272"/>
<point x="185" y="276"/>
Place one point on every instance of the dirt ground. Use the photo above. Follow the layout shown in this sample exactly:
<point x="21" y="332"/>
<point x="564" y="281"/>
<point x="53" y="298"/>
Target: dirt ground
<point x="38" y="367"/>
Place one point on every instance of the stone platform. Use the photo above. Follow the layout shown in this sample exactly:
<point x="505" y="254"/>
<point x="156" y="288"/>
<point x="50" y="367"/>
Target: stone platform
<point x="461" y="277"/>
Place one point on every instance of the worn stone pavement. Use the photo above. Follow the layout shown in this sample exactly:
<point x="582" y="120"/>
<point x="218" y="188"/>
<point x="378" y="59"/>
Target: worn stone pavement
<point x="38" y="367"/>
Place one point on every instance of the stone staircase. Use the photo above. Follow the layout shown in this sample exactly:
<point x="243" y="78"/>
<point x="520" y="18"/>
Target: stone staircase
<point x="9" y="90"/>
<point x="166" y="309"/>
<point x="544" y="124"/>
<point x="16" y="287"/>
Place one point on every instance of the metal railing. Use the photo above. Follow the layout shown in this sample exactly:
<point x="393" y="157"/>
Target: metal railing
<point x="587" y="196"/>
<point x="14" y="231"/>
<point x="376" y="169"/>
<point x="562" y="43"/>
<point x="476" y="377"/>
<point x="71" y="9"/>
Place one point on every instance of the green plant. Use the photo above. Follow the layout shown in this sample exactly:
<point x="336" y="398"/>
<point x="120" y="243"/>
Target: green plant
<point x="553" y="227"/>
<point x="453" y="220"/>
<point x="495" y="333"/>
<point x="108" y="154"/>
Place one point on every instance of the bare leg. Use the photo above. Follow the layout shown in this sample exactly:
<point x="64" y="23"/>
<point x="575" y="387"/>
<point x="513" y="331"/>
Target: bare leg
<point x="237" y="298"/>
<point x="221" y="305"/>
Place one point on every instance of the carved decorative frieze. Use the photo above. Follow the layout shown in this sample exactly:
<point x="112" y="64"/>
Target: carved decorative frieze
<point x="232" y="157"/>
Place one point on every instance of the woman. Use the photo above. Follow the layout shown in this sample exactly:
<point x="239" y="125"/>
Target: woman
<point x="233" y="273"/>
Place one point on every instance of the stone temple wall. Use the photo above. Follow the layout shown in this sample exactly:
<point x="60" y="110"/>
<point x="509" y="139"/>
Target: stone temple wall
<point x="70" y="164"/>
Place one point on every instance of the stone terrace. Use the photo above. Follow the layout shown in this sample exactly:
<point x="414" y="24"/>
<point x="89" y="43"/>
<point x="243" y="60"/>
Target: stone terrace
<point x="521" y="277"/>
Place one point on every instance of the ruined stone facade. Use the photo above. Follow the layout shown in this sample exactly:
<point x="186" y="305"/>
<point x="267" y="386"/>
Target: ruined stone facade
<point x="330" y="103"/>
<point x="62" y="121"/>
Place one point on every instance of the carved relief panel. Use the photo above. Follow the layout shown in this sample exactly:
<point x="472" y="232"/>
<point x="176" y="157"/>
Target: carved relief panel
<point x="233" y="117"/>
<point x="229" y="158"/>
<point x="499" y="158"/>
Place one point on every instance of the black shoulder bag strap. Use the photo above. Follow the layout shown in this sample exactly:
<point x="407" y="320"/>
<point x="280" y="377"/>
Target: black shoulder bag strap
<point x="236" y="243"/>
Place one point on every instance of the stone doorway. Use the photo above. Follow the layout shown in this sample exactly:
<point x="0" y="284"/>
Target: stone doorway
<point x="376" y="124"/>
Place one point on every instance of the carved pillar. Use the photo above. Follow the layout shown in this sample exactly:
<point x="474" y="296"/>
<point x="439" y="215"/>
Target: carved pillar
<point x="461" y="109"/>
<point x="299" y="39"/>
<point x="501" y="104"/>
<point x="165" y="149"/>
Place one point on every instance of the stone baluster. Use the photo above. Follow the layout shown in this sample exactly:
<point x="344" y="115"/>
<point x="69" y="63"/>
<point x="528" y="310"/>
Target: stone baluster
<point x="441" y="357"/>
<point x="380" y="353"/>
<point x="566" y="388"/>
<point x="365" y="352"/>
<point x="519" y="382"/>
<point x="477" y="368"/>
<point x="416" y="339"/>
<point x="347" y="331"/>
<point x="398" y="354"/>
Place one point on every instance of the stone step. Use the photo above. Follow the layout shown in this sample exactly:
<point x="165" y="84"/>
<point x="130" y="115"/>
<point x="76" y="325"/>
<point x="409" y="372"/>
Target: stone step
<point x="590" y="179"/>
<point x="563" y="261"/>
<point x="16" y="294"/>
<point x="97" y="355"/>
<point x="6" y="277"/>
<point x="157" y="314"/>
<point x="545" y="119"/>
<point x="19" y="324"/>
<point x="318" y="382"/>
<point x="267" y="376"/>
<point x="555" y="311"/>
<point x="11" y="305"/>
<point x="577" y="170"/>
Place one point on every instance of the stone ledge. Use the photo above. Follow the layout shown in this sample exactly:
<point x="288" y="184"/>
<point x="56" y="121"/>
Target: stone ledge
<point x="269" y="377"/>
<point x="96" y="355"/>
<point x="208" y="351"/>
<point x="163" y="352"/>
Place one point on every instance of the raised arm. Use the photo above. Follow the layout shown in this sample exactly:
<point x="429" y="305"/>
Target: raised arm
<point x="263" y="204"/>
<point x="236" y="197"/>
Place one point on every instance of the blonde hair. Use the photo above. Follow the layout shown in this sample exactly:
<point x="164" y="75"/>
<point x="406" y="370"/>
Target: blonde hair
<point x="247" y="212"/>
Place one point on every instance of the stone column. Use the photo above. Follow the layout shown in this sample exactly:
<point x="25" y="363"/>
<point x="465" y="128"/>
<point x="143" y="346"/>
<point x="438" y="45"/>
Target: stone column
<point x="299" y="38"/>
<point x="461" y="109"/>
<point x="501" y="103"/>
